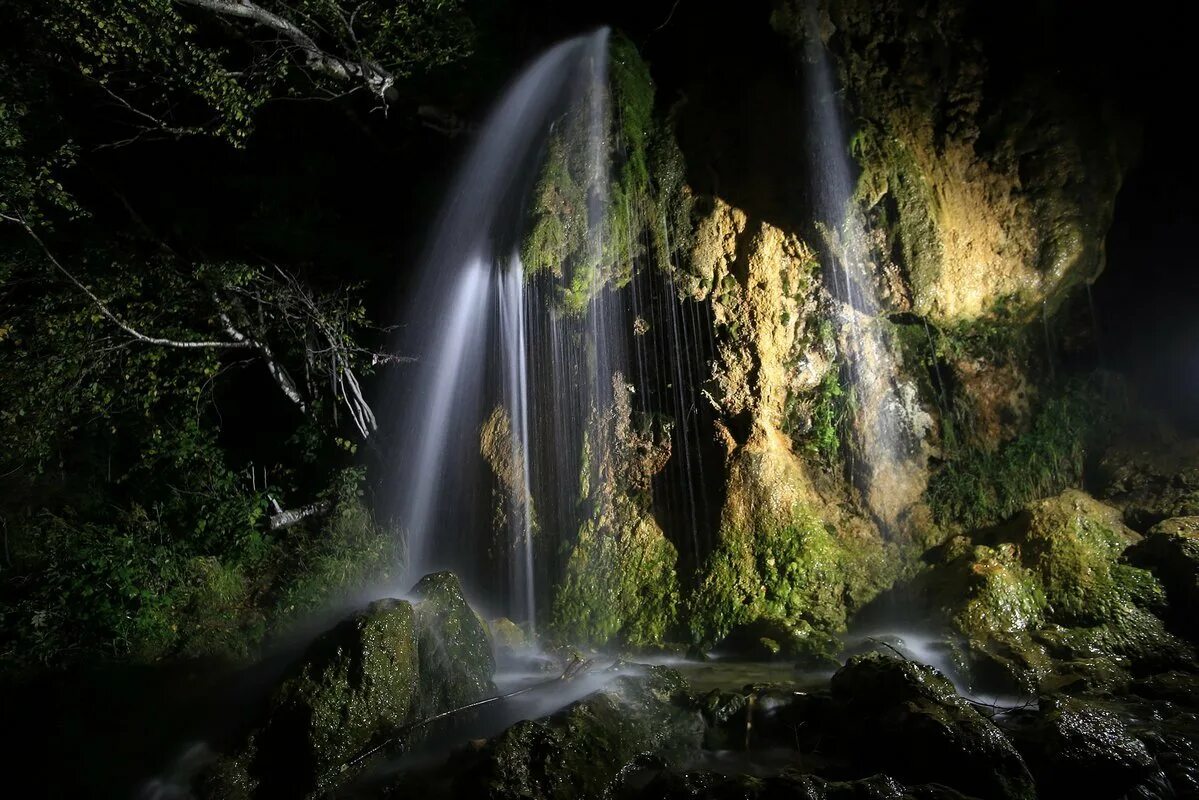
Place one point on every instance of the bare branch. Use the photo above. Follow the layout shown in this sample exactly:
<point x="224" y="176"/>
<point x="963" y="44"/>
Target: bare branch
<point x="107" y="312"/>
<point x="285" y="519"/>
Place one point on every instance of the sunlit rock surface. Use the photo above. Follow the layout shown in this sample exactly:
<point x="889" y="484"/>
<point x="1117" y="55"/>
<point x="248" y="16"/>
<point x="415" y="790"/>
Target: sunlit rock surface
<point x="996" y="200"/>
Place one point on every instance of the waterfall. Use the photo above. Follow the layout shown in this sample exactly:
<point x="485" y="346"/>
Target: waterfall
<point x="474" y="300"/>
<point x="884" y="419"/>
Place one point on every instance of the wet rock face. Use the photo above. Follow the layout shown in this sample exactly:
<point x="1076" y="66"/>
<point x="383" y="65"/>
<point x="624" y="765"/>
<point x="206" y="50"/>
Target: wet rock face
<point x="994" y="190"/>
<point x="580" y="751"/>
<point x="1051" y="600"/>
<point x="354" y="683"/>
<point x="907" y="719"/>
<point x="1075" y="748"/>
<point x="453" y="645"/>
<point x="1171" y="552"/>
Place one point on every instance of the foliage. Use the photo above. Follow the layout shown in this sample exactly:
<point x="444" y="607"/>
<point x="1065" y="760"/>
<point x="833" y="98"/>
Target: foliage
<point x="170" y="69"/>
<point x="828" y="416"/>
<point x="979" y="487"/>
<point x="131" y="526"/>
<point x="145" y="586"/>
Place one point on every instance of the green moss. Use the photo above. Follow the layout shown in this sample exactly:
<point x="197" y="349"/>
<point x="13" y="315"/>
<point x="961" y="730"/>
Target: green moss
<point x="587" y="253"/>
<point x="1074" y="547"/>
<point x="798" y="574"/>
<point x="620" y="585"/>
<point x="455" y="652"/>
<point x="979" y="487"/>
<point x="354" y="684"/>
<point x="890" y="172"/>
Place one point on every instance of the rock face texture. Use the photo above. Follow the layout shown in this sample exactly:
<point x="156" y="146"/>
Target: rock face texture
<point x="994" y="199"/>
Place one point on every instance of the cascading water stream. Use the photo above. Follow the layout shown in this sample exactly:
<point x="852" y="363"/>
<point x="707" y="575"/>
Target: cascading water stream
<point x="884" y="428"/>
<point x="477" y="302"/>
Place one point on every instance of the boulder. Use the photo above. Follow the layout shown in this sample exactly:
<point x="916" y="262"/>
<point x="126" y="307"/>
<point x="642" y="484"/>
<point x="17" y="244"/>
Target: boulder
<point x="906" y="719"/>
<point x="454" y="647"/>
<point x="579" y="751"/>
<point x="1171" y="552"/>
<point x="383" y="668"/>
<point x="1076" y="749"/>
<point x="354" y="684"/>
<point x="506" y="634"/>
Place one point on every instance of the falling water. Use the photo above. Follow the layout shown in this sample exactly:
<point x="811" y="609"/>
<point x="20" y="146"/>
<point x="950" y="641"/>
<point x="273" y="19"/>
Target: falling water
<point x="474" y="294"/>
<point x="526" y="360"/>
<point x="883" y="426"/>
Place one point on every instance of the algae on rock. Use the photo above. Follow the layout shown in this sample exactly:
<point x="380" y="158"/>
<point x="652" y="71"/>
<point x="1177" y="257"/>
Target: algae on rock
<point x="620" y="584"/>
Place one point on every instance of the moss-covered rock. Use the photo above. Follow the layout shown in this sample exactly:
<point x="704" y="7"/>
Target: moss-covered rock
<point x="354" y="684"/>
<point x="385" y="667"/>
<point x="779" y="562"/>
<point x="455" y="656"/>
<point x="595" y="204"/>
<point x="619" y="585"/>
<point x="1074" y="543"/>
<point x="1048" y="600"/>
<point x="907" y="719"/>
<point x="507" y="636"/>
<point x="579" y="751"/>
<point x="993" y="190"/>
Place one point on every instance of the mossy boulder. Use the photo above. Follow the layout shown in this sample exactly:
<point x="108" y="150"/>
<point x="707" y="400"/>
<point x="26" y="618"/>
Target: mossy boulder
<point x="386" y="666"/>
<point x="507" y="636"/>
<point x="579" y="751"/>
<point x="1073" y="543"/>
<point x="1049" y="599"/>
<point x="906" y="719"/>
<point x="1075" y="748"/>
<point x="456" y="662"/>
<point x="353" y="685"/>
<point x="1171" y="552"/>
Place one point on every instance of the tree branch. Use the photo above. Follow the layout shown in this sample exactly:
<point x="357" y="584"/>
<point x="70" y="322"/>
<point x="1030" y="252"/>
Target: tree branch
<point x="376" y="78"/>
<point x="109" y="314"/>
